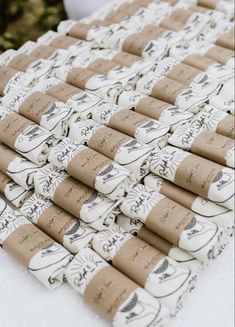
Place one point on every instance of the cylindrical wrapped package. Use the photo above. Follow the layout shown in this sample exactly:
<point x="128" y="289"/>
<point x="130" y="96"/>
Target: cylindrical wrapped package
<point x="40" y="108"/>
<point x="123" y="149"/>
<point x="65" y="229"/>
<point x="81" y="201"/>
<point x="131" y="123"/>
<point x="207" y="144"/>
<point x="161" y="276"/>
<point x="35" y="250"/>
<point x="111" y="294"/>
<point x="88" y="80"/>
<point x="226" y="7"/>
<point x="13" y="192"/>
<point x="25" y="137"/>
<point x="146" y="105"/>
<point x="195" y="174"/>
<point x="213" y="212"/>
<point x="173" y="222"/>
<point x="92" y="168"/>
<point x="137" y="228"/>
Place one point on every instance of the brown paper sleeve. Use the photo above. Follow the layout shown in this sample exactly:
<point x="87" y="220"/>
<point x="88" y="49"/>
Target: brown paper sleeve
<point x="183" y="73"/>
<point x="80" y="76"/>
<point x="129" y="8"/>
<point x="107" y="291"/>
<point x="151" y="107"/>
<point x="137" y="259"/>
<point x="212" y="146"/>
<point x="167" y="90"/>
<point x="154" y="240"/>
<point x="55" y="222"/>
<point x="43" y="51"/>
<point x="196" y="174"/>
<point x="135" y="43"/>
<point x="127" y="121"/>
<point x="126" y="59"/>
<point x="35" y="105"/>
<point x="102" y="66"/>
<point x="6" y="74"/>
<point x="168" y="219"/>
<point x="220" y="54"/>
<point x="226" y="40"/>
<point x="200" y="9"/>
<point x="142" y="3"/>
<point x="152" y="31"/>
<point x="11" y="127"/>
<point x="107" y="141"/>
<point x="63" y="91"/>
<point x="63" y="42"/>
<point x="87" y="165"/>
<point x="25" y="242"/>
<point x="4" y="180"/>
<point x="181" y="15"/>
<point x="115" y="16"/>
<point x="22" y="62"/>
<point x="227" y="127"/>
<point x="7" y="156"/>
<point x="211" y="4"/>
<point x="81" y="30"/>
<point x="71" y="195"/>
<point x="172" y="24"/>
<point x="199" y="62"/>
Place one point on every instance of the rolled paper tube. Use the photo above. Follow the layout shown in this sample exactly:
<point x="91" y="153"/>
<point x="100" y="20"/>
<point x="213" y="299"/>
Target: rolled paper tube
<point x="220" y="54"/>
<point x="123" y="302"/>
<point x="92" y="168"/>
<point x="173" y="222"/>
<point x="36" y="251"/>
<point x="195" y="174"/>
<point x="65" y="229"/>
<point x="126" y="151"/>
<point x="22" y="135"/>
<point x="145" y="265"/>
<point x="137" y="228"/>
<point x="81" y="201"/>
<point x="207" y="144"/>
<point x="40" y="108"/>
<point x="227" y="7"/>
<point x="13" y="192"/>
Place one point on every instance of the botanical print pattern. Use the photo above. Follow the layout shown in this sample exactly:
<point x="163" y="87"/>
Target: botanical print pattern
<point x="15" y="193"/>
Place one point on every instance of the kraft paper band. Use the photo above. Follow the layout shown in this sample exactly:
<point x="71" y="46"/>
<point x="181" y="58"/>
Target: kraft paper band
<point x="71" y="195"/>
<point x="226" y="40"/>
<point x="43" y="51"/>
<point x="35" y="105"/>
<point x="142" y="3"/>
<point x="4" y="180"/>
<point x="127" y="121"/>
<point x="25" y="242"/>
<point x="199" y="9"/>
<point x="102" y="66"/>
<point x="107" y="141"/>
<point x="168" y="219"/>
<point x="80" y="76"/>
<point x="196" y="174"/>
<point x="211" y="4"/>
<point x="212" y="146"/>
<point x="172" y="24"/>
<point x="81" y="30"/>
<point x="129" y="8"/>
<point x="181" y="15"/>
<point x="220" y="54"/>
<point x="153" y="239"/>
<point x="11" y="127"/>
<point x="107" y="290"/>
<point x="115" y="16"/>
<point x="86" y="166"/>
<point x="135" y="43"/>
<point x="55" y="222"/>
<point x="63" y="42"/>
<point x="183" y="73"/>
<point x="199" y="62"/>
<point x="151" y="107"/>
<point x="137" y="259"/>
<point x="126" y="59"/>
<point x="167" y="90"/>
<point x="227" y="127"/>
<point x="152" y="31"/>
<point x="22" y="62"/>
<point x="6" y="74"/>
<point x="7" y="156"/>
<point x="63" y="91"/>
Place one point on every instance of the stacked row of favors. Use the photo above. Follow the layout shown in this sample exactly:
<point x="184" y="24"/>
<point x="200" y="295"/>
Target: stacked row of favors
<point x="117" y="154"/>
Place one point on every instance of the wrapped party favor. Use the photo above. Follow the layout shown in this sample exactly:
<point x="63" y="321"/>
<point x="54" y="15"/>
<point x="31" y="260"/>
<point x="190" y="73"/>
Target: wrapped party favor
<point x="81" y="201"/>
<point x="92" y="168"/>
<point x="201" y="176"/>
<point x="40" y="108"/>
<point x="226" y="7"/>
<point x="113" y="296"/>
<point x="35" y="250"/>
<point x="173" y="222"/>
<point x="65" y="229"/>
<point x="128" y="152"/>
<point x="137" y="228"/>
<point x="158" y="274"/>
<point x="22" y="135"/>
<point x="207" y="144"/>
<point x="210" y="210"/>
<point x="17" y="167"/>
<point x="13" y="192"/>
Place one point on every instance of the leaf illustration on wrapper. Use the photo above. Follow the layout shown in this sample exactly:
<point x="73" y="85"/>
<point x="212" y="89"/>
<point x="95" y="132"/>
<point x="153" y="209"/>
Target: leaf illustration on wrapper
<point x="130" y="305"/>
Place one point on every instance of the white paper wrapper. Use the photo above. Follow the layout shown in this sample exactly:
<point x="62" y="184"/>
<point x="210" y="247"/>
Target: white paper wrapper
<point x="224" y="100"/>
<point x="72" y="233"/>
<point x="96" y="210"/>
<point x="49" y="262"/>
<point x="138" y="310"/>
<point x="226" y="7"/>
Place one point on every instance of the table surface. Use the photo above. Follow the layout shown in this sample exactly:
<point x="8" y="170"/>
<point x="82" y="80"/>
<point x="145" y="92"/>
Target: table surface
<point x="25" y="303"/>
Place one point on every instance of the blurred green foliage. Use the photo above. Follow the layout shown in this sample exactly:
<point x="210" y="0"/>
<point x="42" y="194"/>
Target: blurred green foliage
<point x="23" y="20"/>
